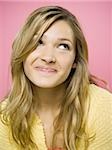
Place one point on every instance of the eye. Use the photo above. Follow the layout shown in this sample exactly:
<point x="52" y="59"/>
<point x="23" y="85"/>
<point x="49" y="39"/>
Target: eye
<point x="64" y="46"/>
<point x="40" y="42"/>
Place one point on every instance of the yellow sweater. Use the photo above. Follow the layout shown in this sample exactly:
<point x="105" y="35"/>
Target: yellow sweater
<point x="99" y="122"/>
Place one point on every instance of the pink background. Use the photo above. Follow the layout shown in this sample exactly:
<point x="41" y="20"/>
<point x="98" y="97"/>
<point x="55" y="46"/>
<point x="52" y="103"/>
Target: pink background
<point x="96" y="21"/>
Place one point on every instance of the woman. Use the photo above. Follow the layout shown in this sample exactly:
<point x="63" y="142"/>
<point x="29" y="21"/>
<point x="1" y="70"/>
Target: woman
<point x="53" y="103"/>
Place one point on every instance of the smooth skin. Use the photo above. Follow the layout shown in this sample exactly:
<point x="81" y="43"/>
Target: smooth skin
<point x="47" y="67"/>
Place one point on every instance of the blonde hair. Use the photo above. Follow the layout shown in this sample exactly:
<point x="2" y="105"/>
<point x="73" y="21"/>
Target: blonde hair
<point x="19" y="109"/>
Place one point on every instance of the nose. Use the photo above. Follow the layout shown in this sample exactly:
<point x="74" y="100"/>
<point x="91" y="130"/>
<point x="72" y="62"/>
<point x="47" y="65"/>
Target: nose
<point x="48" y="55"/>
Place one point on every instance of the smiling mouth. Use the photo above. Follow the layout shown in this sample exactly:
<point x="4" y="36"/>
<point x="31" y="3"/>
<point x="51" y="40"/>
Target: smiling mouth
<point x="46" y="70"/>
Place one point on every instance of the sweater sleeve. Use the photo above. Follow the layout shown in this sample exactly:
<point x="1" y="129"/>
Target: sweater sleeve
<point x="100" y="119"/>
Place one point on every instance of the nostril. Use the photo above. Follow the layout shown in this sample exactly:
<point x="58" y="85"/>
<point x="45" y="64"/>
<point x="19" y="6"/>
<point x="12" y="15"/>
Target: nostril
<point x="49" y="59"/>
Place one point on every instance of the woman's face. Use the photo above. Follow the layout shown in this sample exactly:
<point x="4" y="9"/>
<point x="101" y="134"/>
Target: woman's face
<point x="51" y="62"/>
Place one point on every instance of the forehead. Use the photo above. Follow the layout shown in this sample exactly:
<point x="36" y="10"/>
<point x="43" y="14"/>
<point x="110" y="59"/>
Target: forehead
<point x="60" y="29"/>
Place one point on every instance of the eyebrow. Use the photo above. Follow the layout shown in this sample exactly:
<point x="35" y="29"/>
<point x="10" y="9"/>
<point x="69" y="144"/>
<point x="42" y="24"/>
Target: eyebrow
<point x="64" y="39"/>
<point x="59" y="39"/>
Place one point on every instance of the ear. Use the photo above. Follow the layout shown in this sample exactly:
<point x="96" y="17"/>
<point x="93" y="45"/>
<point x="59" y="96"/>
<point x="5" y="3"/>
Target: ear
<point x="74" y="65"/>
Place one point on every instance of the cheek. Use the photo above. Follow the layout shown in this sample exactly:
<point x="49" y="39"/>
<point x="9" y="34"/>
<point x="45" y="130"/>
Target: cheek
<point x="32" y="57"/>
<point x="26" y="67"/>
<point x="29" y="60"/>
<point x="66" y="68"/>
<point x="67" y="62"/>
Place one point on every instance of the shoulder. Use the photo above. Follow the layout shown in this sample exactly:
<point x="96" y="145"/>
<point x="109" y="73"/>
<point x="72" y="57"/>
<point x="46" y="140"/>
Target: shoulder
<point x="100" y="102"/>
<point x="98" y="91"/>
<point x="100" y="99"/>
<point x="100" y="118"/>
<point x="5" y="141"/>
<point x="3" y="127"/>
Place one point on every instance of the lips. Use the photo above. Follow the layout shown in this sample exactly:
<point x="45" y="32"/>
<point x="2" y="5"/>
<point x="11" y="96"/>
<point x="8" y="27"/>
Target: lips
<point x="46" y="69"/>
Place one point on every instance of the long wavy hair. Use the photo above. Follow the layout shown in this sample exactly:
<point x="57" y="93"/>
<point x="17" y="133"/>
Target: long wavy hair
<point x="18" y="112"/>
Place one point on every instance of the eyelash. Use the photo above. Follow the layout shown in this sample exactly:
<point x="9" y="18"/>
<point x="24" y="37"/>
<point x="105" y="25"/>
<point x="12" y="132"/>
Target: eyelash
<point x="66" y="46"/>
<point x="40" y="42"/>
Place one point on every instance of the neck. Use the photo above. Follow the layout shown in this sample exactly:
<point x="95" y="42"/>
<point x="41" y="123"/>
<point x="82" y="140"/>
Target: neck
<point x="49" y="99"/>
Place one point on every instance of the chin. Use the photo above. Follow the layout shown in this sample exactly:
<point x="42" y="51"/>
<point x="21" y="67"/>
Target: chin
<point x="47" y="84"/>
